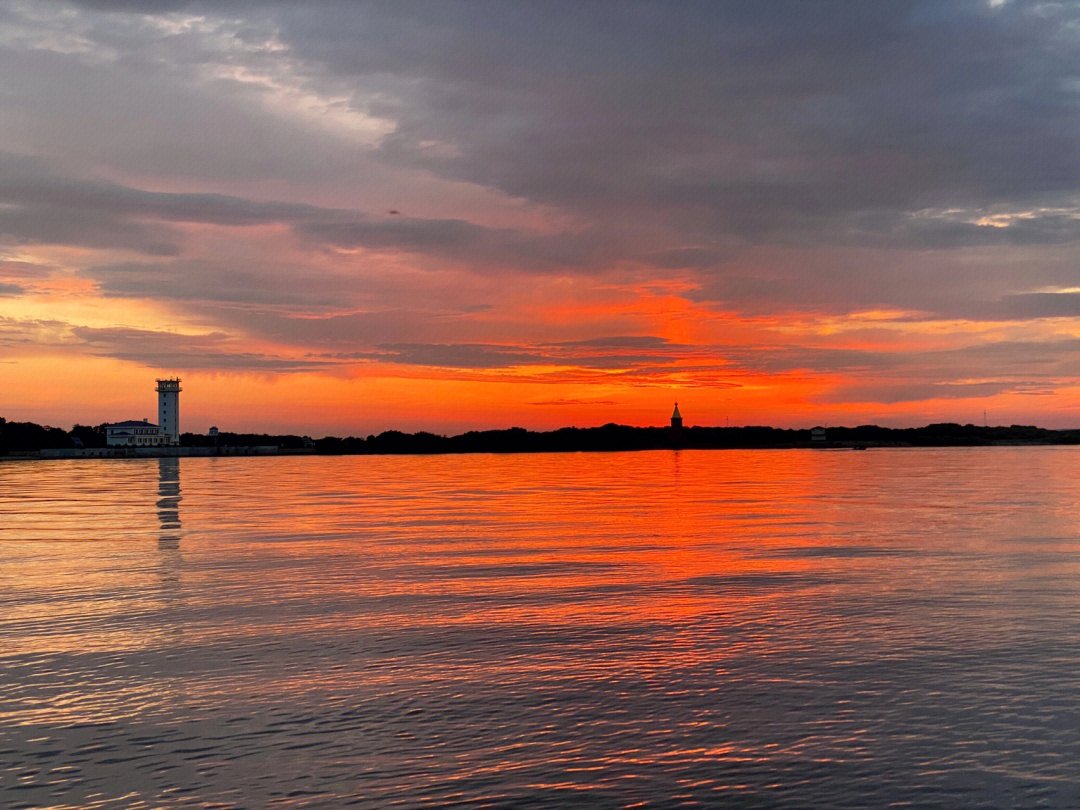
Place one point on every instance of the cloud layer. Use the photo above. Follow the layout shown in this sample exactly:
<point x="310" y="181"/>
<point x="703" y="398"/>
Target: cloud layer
<point x="795" y="211"/>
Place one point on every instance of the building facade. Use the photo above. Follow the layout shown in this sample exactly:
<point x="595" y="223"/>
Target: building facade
<point x="134" y="433"/>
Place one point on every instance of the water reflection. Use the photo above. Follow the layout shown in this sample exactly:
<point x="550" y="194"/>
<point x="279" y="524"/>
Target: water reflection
<point x="787" y="629"/>
<point x="168" y="512"/>
<point x="169" y="501"/>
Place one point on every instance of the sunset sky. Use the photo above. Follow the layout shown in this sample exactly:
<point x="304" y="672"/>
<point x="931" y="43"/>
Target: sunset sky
<point x="351" y="217"/>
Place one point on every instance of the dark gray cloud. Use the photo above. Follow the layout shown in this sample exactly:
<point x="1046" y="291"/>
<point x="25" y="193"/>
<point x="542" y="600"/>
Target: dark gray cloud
<point x="1020" y="359"/>
<point x="221" y="282"/>
<point x="11" y="290"/>
<point x="40" y="206"/>
<point x="617" y="352"/>
<point x="753" y="119"/>
<point x="575" y="402"/>
<point x="1031" y="367"/>
<point x="26" y="181"/>
<point x="703" y="123"/>
<point x="954" y="230"/>
<point x="460" y="356"/>
<point x="213" y="351"/>
<point x="457" y="240"/>
<point x="36" y="207"/>
<point x="219" y="351"/>
<point x="622" y="342"/>
<point x="1042" y="305"/>
<point x="895" y="392"/>
<point x="981" y="283"/>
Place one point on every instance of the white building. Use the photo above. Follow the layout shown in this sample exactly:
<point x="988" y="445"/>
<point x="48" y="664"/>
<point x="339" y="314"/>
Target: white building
<point x="169" y="409"/>
<point x="134" y="433"/>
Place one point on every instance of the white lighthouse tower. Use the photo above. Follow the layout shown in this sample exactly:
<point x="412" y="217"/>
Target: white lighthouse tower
<point x="169" y="410"/>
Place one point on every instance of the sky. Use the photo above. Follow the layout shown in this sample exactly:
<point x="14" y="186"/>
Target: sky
<point x="343" y="217"/>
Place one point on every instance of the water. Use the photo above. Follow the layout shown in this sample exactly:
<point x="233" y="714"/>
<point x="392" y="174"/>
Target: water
<point x="737" y="629"/>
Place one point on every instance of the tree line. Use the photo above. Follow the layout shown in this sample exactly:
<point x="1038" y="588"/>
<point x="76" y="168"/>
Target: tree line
<point x="28" y="437"/>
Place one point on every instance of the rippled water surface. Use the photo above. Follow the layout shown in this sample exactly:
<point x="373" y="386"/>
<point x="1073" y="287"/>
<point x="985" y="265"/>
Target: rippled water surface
<point x="764" y="628"/>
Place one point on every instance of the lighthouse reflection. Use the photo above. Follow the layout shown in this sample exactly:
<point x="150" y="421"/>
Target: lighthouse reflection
<point x="168" y="504"/>
<point x="170" y="558"/>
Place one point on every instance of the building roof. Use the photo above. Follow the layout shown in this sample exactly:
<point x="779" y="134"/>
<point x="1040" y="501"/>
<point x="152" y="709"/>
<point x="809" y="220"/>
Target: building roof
<point x="676" y="414"/>
<point x="131" y="423"/>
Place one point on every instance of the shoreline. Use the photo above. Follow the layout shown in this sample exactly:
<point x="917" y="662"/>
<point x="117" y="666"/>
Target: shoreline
<point x="121" y="454"/>
<point x="53" y="443"/>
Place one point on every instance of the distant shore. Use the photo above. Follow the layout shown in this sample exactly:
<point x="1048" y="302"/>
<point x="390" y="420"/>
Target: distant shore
<point x="27" y="441"/>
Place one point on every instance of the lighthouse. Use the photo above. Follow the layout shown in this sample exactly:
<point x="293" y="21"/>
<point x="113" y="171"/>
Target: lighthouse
<point x="676" y="417"/>
<point x="168" y="392"/>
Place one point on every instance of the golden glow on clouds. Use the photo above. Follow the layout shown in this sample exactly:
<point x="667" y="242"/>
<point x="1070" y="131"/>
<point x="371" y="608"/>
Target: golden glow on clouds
<point x="697" y="357"/>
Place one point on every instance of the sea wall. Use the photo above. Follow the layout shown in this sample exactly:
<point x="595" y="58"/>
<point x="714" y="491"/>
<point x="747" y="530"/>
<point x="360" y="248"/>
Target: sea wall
<point x="158" y="452"/>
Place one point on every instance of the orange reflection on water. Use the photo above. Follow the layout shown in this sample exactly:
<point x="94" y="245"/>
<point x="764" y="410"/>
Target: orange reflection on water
<point x="531" y="623"/>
